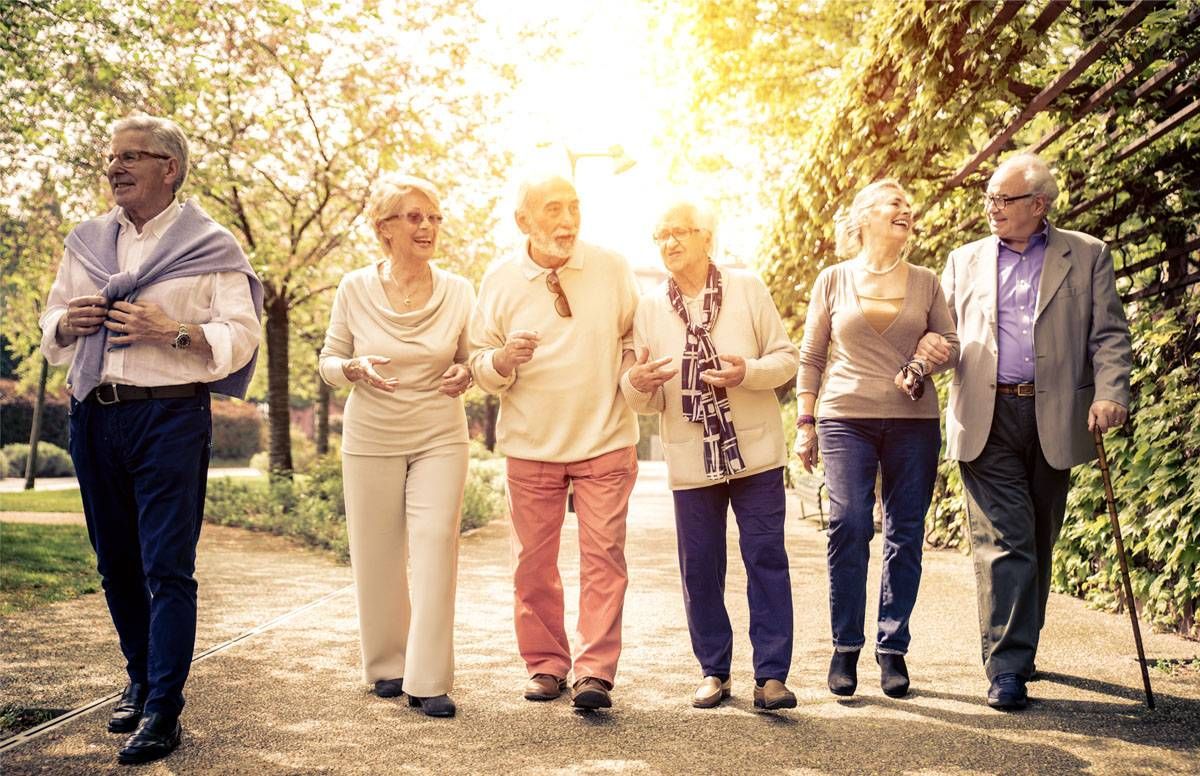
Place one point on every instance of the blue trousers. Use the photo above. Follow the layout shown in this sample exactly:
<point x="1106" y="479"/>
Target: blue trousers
<point x="700" y="520"/>
<point x="853" y="450"/>
<point x="142" y="469"/>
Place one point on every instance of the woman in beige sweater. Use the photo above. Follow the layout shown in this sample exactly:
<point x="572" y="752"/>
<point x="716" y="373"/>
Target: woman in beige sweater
<point x="878" y="413"/>
<point x="712" y="350"/>
<point x="397" y="333"/>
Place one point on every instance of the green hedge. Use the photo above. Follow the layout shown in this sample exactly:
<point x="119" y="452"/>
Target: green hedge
<point x="310" y="507"/>
<point x="236" y="429"/>
<point x="1155" y="466"/>
<point x="16" y="417"/>
<point x="52" y="461"/>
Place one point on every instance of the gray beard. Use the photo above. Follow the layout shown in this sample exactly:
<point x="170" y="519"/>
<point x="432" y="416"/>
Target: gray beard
<point x="546" y="244"/>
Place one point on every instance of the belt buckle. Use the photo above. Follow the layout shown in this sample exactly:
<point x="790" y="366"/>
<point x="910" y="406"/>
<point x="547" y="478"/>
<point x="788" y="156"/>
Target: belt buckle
<point x="1025" y="389"/>
<point x="99" y="394"/>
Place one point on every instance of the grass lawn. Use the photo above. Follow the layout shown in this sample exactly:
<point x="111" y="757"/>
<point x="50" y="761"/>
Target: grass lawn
<point x="44" y="563"/>
<point x="42" y="501"/>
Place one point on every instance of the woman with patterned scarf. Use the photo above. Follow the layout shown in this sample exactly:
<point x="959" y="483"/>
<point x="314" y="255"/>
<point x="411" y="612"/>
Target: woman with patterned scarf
<point x="711" y="351"/>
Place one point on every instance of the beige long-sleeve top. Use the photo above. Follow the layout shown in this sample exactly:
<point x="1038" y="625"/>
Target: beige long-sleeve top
<point x="851" y="366"/>
<point x="422" y="344"/>
<point x="563" y="405"/>
<point x="748" y="325"/>
<point x="219" y="302"/>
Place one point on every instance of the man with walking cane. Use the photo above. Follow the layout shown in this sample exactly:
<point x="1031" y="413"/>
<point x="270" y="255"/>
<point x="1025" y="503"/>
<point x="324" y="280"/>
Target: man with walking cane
<point x="1045" y="359"/>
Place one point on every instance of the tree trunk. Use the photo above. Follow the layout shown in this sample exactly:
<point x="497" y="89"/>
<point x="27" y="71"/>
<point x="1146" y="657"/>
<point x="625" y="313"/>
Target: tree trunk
<point x="322" y="417"/>
<point x="35" y="428"/>
<point x="491" y="407"/>
<point x="278" y="416"/>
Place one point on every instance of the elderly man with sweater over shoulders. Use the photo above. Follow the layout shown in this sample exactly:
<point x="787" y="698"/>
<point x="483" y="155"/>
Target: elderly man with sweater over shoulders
<point x="154" y="306"/>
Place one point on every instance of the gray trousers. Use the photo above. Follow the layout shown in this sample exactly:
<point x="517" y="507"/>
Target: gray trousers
<point x="1015" y="507"/>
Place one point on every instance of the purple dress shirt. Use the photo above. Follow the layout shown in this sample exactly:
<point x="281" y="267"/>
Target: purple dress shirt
<point x="1017" y="278"/>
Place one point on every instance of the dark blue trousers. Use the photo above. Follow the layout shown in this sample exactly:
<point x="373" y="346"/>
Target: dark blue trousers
<point x="905" y="450"/>
<point x="142" y="469"/>
<point x="700" y="520"/>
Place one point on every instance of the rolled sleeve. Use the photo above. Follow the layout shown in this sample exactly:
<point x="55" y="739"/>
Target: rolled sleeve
<point x="56" y="355"/>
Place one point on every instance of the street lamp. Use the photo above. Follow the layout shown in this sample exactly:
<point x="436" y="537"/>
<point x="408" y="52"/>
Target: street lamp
<point x="621" y="160"/>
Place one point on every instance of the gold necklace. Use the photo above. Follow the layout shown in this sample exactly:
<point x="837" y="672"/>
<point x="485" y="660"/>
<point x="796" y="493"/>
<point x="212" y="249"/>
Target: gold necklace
<point x="408" y="293"/>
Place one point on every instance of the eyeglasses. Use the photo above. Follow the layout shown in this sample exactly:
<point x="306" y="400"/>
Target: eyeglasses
<point x="416" y="217"/>
<point x="677" y="234"/>
<point x="998" y="201"/>
<point x="127" y="158"/>
<point x="561" y="306"/>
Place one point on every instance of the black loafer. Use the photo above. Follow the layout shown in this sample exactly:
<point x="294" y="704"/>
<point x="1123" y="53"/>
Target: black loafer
<point x="893" y="674"/>
<point x="434" y="706"/>
<point x="389" y="688"/>
<point x="1008" y="693"/>
<point x="843" y="672"/>
<point x="128" y="711"/>
<point x="157" y="735"/>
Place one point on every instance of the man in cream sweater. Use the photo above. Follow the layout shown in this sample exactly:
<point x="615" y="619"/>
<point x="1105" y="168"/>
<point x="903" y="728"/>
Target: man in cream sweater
<point x="551" y="335"/>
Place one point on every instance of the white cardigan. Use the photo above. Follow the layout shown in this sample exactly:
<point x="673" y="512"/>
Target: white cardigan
<point x="749" y="326"/>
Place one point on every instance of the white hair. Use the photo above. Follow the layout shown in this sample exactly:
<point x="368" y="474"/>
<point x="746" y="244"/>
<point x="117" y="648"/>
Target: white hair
<point x="166" y="137"/>
<point x="702" y="214"/>
<point x="535" y="179"/>
<point x="1035" y="172"/>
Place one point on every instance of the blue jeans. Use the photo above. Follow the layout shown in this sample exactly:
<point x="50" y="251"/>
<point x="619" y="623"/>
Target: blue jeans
<point x="700" y="520"/>
<point x="854" y="449"/>
<point x="142" y="468"/>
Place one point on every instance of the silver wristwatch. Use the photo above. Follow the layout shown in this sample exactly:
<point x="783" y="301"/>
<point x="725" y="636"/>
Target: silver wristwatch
<point x="183" y="340"/>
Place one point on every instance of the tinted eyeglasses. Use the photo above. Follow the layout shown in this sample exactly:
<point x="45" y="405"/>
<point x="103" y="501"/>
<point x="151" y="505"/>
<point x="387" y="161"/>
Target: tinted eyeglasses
<point x="416" y="217"/>
<point x="561" y="306"/>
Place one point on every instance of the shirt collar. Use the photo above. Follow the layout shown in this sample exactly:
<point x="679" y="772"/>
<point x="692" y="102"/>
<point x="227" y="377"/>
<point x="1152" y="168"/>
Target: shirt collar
<point x="156" y="226"/>
<point x="531" y="269"/>
<point x="1041" y="236"/>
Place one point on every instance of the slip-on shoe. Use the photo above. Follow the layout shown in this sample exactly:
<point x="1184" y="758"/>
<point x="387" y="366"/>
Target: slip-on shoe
<point x="434" y="706"/>
<point x="711" y="692"/>
<point x="156" y="736"/>
<point x="774" y="694"/>
<point x="128" y="711"/>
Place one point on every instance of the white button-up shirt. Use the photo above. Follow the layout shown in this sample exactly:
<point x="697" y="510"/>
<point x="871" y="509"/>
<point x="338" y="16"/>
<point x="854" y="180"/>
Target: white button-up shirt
<point x="220" y="303"/>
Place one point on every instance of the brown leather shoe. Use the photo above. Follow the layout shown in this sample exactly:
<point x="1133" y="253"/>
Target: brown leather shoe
<point x="544" y="687"/>
<point x="711" y="692"/>
<point x="774" y="695"/>
<point x="591" y="693"/>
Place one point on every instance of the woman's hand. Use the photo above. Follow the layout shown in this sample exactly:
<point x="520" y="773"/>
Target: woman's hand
<point x="362" y="369"/>
<point x="806" y="446"/>
<point x="933" y="349"/>
<point x="726" y="377"/>
<point x="647" y="376"/>
<point x="455" y="380"/>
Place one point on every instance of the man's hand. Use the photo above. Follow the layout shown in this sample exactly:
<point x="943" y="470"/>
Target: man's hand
<point x="455" y="380"/>
<point x="933" y="349"/>
<point x="806" y="446"/>
<point x="1105" y="415"/>
<point x="728" y="377"/>
<point x="646" y="375"/>
<point x="518" y="349"/>
<point x="363" y="368"/>
<point x="83" y="317"/>
<point x="132" y="322"/>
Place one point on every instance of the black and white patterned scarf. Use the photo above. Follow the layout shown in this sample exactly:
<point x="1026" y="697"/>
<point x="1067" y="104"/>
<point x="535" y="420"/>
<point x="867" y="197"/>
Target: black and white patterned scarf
<point x="704" y="403"/>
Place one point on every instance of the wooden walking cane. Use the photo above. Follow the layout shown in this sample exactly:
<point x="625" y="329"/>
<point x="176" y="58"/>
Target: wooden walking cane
<point x="1112" y="514"/>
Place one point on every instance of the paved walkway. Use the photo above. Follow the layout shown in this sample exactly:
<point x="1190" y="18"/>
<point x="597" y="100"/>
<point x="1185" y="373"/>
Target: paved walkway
<point x="290" y="700"/>
<point x="17" y="484"/>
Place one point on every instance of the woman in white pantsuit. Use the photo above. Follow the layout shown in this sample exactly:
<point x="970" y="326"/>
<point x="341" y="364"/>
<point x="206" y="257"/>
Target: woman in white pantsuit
<point x="398" y="334"/>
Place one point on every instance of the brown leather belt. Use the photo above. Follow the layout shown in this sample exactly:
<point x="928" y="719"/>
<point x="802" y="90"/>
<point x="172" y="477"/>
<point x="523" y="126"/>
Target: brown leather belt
<point x="1015" y="389"/>
<point x="111" y="393"/>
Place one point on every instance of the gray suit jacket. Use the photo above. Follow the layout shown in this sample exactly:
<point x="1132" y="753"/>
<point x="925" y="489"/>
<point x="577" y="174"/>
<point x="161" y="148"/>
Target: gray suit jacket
<point x="1080" y="337"/>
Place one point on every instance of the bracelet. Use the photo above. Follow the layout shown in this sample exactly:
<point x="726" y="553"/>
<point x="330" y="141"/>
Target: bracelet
<point x="805" y="420"/>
